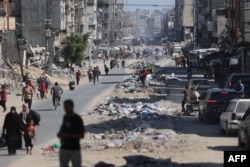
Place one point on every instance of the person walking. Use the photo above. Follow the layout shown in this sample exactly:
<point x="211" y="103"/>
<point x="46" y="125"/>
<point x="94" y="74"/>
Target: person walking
<point x="185" y="98"/>
<point x="70" y="133"/>
<point x="42" y="89"/>
<point x="78" y="76"/>
<point x="56" y="92"/>
<point x="31" y="85"/>
<point x="47" y="83"/>
<point x="12" y="131"/>
<point x="29" y="135"/>
<point x="106" y="69"/>
<point x="3" y="100"/>
<point x="90" y="75"/>
<point x="123" y="63"/>
<point x="27" y="95"/>
<point x="98" y="72"/>
<point x="95" y="73"/>
<point x="26" y="115"/>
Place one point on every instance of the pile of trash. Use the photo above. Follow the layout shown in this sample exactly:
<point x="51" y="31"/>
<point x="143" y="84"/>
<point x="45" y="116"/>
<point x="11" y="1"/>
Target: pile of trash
<point x="137" y="65"/>
<point x="142" y="138"/>
<point x="138" y="110"/>
<point x="130" y="85"/>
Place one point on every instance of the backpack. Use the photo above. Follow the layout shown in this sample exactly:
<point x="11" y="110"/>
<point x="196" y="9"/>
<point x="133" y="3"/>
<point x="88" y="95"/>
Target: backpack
<point x="35" y="117"/>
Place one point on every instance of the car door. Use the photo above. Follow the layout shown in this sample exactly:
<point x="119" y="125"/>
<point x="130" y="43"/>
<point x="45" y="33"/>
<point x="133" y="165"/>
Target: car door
<point x="225" y="114"/>
<point x="243" y="124"/>
<point x="228" y="113"/>
<point x="247" y="126"/>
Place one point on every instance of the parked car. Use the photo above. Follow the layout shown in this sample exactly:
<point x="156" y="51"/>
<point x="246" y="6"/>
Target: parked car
<point x="214" y="102"/>
<point x="233" y="80"/>
<point x="201" y="85"/>
<point x="229" y="119"/>
<point x="244" y="130"/>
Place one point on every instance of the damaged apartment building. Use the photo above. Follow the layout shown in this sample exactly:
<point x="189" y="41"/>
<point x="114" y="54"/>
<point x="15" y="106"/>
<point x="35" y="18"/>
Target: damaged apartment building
<point x="41" y="27"/>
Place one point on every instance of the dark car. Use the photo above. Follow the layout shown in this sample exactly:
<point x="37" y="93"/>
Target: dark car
<point x="233" y="81"/>
<point x="201" y="85"/>
<point x="244" y="130"/>
<point x="214" y="102"/>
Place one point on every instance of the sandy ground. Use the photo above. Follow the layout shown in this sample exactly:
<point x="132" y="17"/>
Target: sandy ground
<point x="189" y="141"/>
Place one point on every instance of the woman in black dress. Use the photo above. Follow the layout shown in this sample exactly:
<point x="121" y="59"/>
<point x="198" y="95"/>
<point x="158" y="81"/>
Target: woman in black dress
<point x="12" y="130"/>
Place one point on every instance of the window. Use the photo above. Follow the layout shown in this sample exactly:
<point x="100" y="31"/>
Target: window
<point x="242" y="107"/>
<point x="81" y="28"/>
<point x="90" y="2"/>
<point x="91" y="27"/>
<point x="231" y="106"/>
<point x="106" y="15"/>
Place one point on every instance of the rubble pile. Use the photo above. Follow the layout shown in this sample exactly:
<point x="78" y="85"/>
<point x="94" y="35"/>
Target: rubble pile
<point x="134" y="119"/>
<point x="137" y="65"/>
<point x="156" y="86"/>
<point x="125" y="107"/>
<point x="133" y="126"/>
<point x="142" y="138"/>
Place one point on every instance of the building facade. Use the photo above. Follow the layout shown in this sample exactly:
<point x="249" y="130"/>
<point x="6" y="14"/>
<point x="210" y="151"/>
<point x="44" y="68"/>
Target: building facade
<point x="184" y="20"/>
<point x="111" y="16"/>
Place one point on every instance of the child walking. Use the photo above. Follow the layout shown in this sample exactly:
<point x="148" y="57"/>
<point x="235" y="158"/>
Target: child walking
<point x="29" y="136"/>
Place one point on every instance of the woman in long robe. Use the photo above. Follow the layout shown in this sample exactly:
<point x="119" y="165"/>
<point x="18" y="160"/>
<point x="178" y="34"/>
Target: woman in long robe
<point x="12" y="130"/>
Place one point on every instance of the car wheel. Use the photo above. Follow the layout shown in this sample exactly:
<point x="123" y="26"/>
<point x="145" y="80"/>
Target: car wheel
<point x="247" y="142"/>
<point x="240" y="143"/>
<point x="228" y="132"/>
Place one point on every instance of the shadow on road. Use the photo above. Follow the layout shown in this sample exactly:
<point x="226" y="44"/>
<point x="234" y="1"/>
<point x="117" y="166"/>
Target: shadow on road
<point x="226" y="148"/>
<point x="49" y="109"/>
<point x="143" y="161"/>
<point x="110" y="82"/>
<point x="122" y="74"/>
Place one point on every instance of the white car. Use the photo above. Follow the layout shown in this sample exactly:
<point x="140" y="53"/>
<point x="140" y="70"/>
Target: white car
<point x="229" y="120"/>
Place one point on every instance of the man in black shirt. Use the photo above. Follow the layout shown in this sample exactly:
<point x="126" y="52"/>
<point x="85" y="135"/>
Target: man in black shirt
<point x="72" y="130"/>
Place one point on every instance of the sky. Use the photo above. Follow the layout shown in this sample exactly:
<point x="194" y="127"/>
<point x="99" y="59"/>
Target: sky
<point x="146" y="4"/>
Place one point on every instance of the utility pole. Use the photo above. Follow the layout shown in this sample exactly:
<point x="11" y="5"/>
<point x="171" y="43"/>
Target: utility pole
<point x="48" y="57"/>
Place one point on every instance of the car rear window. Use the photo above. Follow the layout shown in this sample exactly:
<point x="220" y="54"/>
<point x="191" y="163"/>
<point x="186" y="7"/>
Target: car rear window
<point x="242" y="106"/>
<point x="223" y="95"/>
<point x="245" y="79"/>
<point x="231" y="106"/>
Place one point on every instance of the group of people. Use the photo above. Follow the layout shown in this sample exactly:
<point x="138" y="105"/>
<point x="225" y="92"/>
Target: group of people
<point x="20" y="124"/>
<point x="115" y="63"/>
<point x="43" y="85"/>
<point x="93" y="74"/>
<point x="190" y="94"/>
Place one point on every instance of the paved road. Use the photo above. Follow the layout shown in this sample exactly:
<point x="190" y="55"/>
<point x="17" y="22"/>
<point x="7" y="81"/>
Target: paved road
<point x="51" y="120"/>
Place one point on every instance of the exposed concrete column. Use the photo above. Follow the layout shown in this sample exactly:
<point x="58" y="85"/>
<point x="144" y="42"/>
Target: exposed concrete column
<point x="24" y="57"/>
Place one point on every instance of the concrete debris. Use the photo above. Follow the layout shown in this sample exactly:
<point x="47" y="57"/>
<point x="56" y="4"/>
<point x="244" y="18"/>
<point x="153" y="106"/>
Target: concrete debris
<point x="144" y="111"/>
